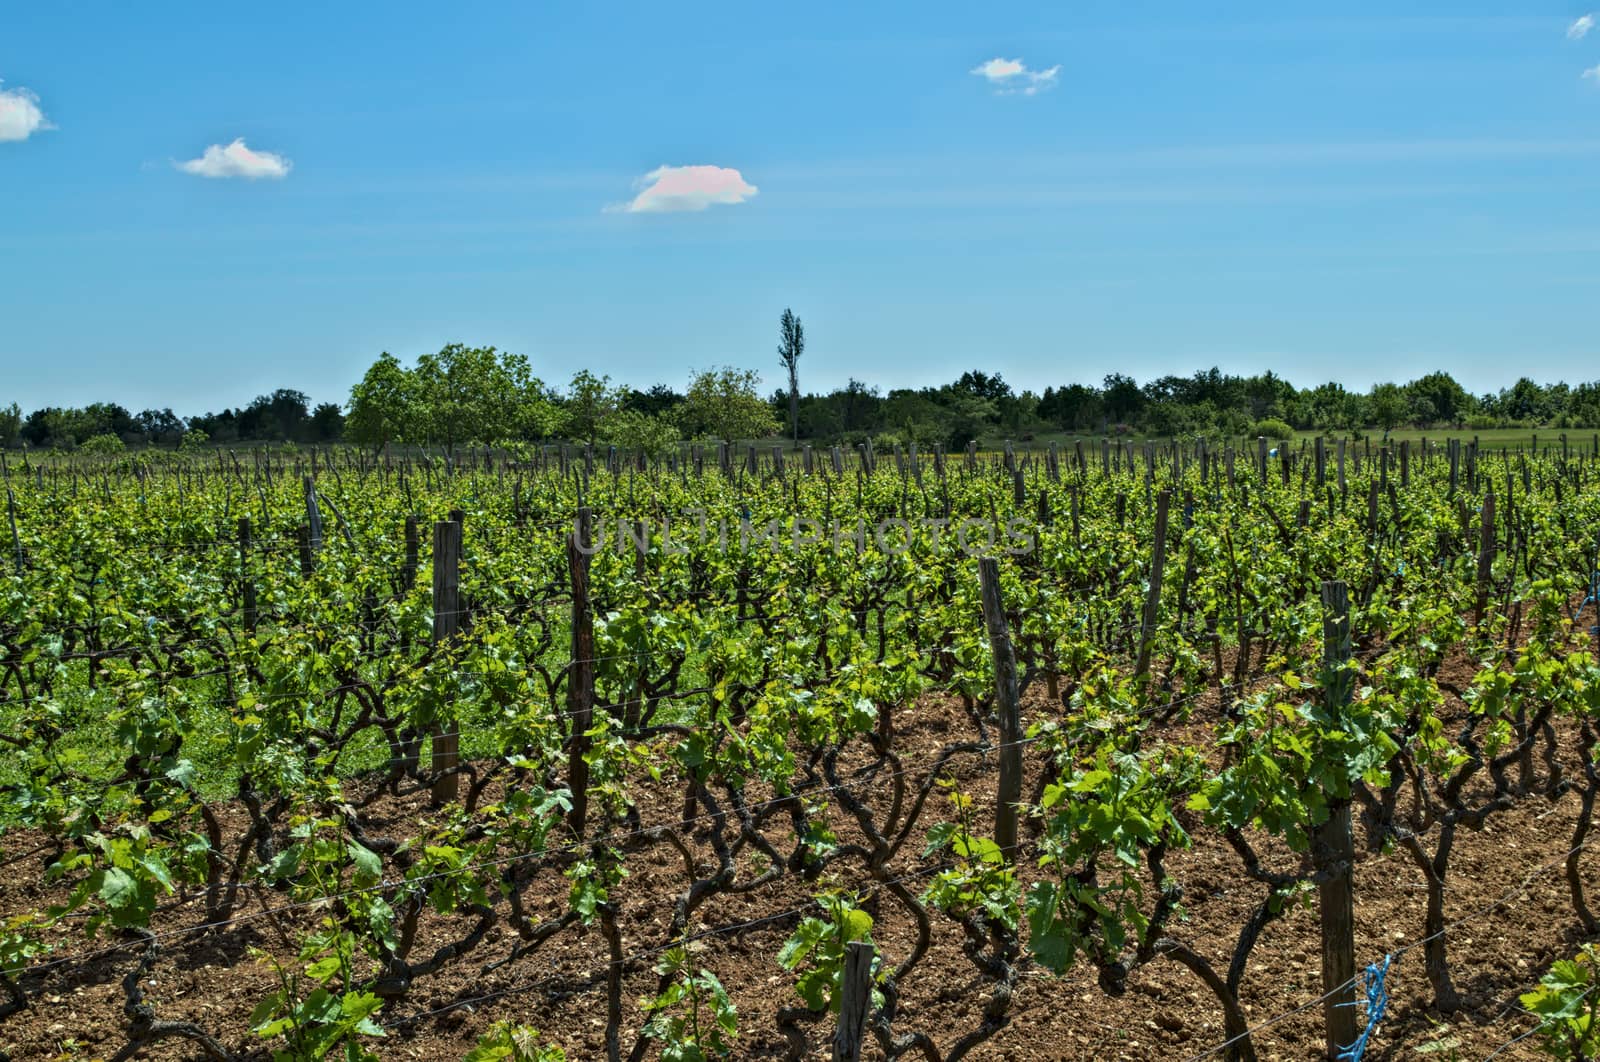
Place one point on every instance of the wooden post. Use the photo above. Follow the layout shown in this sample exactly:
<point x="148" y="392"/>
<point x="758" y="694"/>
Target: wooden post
<point x="1485" y="556"/>
<point x="580" y="680"/>
<point x="1007" y="707"/>
<point x="313" y="515"/>
<point x="1152" y="598"/>
<point x="1332" y="845"/>
<point x="446" y="622"/>
<point x="11" y="517"/>
<point x="308" y="556"/>
<point x="246" y="584"/>
<point x="641" y="547"/>
<point x="408" y="573"/>
<point x="855" y="1001"/>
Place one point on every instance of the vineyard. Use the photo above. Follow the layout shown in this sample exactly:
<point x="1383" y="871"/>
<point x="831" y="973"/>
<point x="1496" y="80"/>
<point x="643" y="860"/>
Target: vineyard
<point x="1116" y="751"/>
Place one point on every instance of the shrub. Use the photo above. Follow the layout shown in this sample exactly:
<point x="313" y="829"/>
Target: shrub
<point x="103" y="444"/>
<point x="640" y="433"/>
<point x="1273" y="428"/>
<point x="1482" y="422"/>
<point x="885" y="441"/>
<point x="195" y="439"/>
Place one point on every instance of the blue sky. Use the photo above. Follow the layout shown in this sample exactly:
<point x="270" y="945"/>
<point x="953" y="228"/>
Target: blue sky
<point x="1355" y="191"/>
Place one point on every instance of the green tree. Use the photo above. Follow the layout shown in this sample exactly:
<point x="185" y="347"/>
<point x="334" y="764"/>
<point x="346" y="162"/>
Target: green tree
<point x="966" y="418"/>
<point x="381" y="405"/>
<point x="792" y="344"/>
<point x="1386" y="405"/>
<point x="474" y="394"/>
<point x="160" y="426"/>
<point x="726" y="404"/>
<point x="1525" y="401"/>
<point x="1447" y="400"/>
<point x="10" y="424"/>
<point x="528" y="408"/>
<point x="1328" y="407"/>
<point x="51" y="426"/>
<point x="1123" y="399"/>
<point x="590" y="400"/>
<point x="327" y="422"/>
<point x="285" y="414"/>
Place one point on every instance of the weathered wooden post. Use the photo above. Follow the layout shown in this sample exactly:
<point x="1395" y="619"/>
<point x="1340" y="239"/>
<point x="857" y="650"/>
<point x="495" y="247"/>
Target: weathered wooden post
<point x="1332" y="845"/>
<point x="1485" y="556"/>
<point x="446" y="622"/>
<point x="408" y="572"/>
<point x="308" y="556"/>
<point x="580" y="680"/>
<point x="1007" y="706"/>
<point x="1152" y="599"/>
<point x="313" y="515"/>
<point x="247" y="585"/>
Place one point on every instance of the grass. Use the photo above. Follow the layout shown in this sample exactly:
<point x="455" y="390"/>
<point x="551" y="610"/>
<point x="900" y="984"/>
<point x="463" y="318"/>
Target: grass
<point x="1580" y="440"/>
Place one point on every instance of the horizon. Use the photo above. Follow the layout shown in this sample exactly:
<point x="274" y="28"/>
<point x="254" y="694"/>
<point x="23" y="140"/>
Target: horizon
<point x="770" y="387"/>
<point x="207" y="207"/>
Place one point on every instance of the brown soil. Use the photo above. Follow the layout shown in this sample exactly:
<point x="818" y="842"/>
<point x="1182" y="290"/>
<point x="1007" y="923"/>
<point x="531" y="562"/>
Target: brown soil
<point x="215" y="979"/>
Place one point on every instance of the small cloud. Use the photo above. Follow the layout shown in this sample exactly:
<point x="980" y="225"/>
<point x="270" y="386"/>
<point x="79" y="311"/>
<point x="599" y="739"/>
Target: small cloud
<point x="1012" y="76"/>
<point x="1580" y="28"/>
<point x="20" y="116"/>
<point x="1593" y="74"/>
<point x="999" y="70"/>
<point x="236" y="160"/>
<point x="669" y="189"/>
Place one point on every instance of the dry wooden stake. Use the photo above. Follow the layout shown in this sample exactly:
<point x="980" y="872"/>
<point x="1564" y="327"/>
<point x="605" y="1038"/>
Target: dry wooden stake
<point x="446" y="622"/>
<point x="1007" y="706"/>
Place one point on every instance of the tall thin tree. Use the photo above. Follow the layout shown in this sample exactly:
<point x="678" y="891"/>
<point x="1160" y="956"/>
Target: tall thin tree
<point x="791" y="344"/>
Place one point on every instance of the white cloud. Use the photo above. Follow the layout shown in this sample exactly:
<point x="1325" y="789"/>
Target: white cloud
<point x="236" y="160"/>
<point x="999" y="70"/>
<point x="1580" y="28"/>
<point x="1593" y="73"/>
<point x="1011" y="76"/>
<point x="668" y="189"/>
<point x="20" y="116"/>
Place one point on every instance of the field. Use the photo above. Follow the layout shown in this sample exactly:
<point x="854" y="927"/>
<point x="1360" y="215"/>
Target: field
<point x="1579" y="440"/>
<point x="1123" y="751"/>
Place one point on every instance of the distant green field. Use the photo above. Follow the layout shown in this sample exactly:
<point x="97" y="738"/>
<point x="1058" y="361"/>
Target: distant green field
<point x="1578" y="439"/>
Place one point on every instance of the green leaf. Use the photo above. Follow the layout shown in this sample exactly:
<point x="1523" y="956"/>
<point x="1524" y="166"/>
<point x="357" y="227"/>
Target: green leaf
<point x="369" y="866"/>
<point x="117" y="889"/>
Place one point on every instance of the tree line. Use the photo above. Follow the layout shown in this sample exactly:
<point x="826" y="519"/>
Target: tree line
<point x="473" y="395"/>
